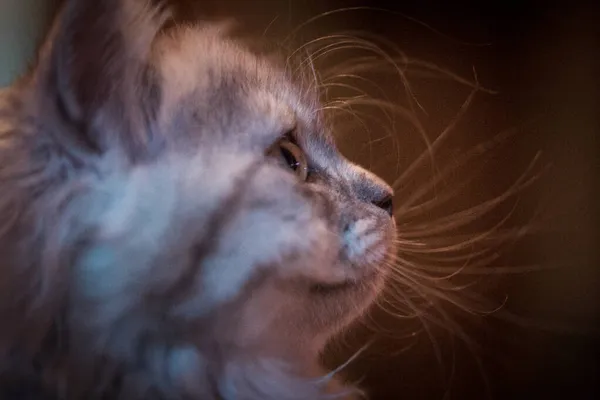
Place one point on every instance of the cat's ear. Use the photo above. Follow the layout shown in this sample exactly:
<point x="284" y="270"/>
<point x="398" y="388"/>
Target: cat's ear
<point x="94" y="84"/>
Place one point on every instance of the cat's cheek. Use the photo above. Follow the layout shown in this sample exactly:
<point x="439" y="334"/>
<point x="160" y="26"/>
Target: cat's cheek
<point x="272" y="230"/>
<point x="315" y="258"/>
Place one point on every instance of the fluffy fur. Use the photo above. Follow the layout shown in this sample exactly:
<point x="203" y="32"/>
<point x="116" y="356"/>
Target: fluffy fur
<point x="148" y="247"/>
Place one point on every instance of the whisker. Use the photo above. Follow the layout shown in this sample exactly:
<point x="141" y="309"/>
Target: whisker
<point x="436" y="143"/>
<point x="269" y="25"/>
<point x="463" y="217"/>
<point x="377" y="9"/>
<point x="349" y="42"/>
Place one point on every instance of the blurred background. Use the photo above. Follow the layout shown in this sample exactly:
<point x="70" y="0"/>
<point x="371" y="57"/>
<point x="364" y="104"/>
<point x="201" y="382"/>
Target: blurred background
<point x="525" y="323"/>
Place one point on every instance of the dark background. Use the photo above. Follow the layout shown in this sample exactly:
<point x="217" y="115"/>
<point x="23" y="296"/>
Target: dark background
<point x="542" y="59"/>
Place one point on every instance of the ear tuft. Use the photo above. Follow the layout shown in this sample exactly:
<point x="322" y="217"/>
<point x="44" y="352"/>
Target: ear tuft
<point x="95" y="75"/>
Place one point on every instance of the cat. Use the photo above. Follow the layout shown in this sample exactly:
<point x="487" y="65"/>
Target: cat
<point x="175" y="219"/>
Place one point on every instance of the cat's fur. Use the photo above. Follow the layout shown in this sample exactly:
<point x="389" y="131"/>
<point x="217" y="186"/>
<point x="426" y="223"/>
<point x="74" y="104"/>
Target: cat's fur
<point x="148" y="247"/>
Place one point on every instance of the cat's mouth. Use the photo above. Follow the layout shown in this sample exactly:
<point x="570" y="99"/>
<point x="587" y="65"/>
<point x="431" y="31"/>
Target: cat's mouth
<point x="322" y="288"/>
<point x="349" y="284"/>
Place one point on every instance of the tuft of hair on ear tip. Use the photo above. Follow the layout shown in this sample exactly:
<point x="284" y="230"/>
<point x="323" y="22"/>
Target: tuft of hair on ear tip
<point x="96" y="70"/>
<point x="141" y="22"/>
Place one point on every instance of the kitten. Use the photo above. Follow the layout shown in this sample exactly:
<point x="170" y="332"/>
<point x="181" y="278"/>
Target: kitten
<point x="175" y="220"/>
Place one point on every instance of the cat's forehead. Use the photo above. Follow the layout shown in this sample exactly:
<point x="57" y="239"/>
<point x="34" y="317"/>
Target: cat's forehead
<point x="225" y="86"/>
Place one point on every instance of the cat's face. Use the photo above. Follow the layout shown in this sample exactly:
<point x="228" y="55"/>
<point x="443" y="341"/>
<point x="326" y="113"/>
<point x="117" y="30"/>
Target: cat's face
<point x="209" y="207"/>
<point x="248" y="221"/>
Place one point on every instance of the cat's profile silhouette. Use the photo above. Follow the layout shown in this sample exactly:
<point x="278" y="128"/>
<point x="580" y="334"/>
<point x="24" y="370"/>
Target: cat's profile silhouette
<point x="175" y="220"/>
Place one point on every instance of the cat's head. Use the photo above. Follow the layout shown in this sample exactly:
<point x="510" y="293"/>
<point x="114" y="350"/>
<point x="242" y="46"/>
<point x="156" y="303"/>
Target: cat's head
<point x="192" y="200"/>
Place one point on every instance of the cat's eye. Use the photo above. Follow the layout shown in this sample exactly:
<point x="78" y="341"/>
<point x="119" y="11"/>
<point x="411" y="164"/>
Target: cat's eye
<point x="291" y="156"/>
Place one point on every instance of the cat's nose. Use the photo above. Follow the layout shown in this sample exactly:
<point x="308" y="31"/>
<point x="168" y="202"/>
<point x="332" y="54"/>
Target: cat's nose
<point x="386" y="203"/>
